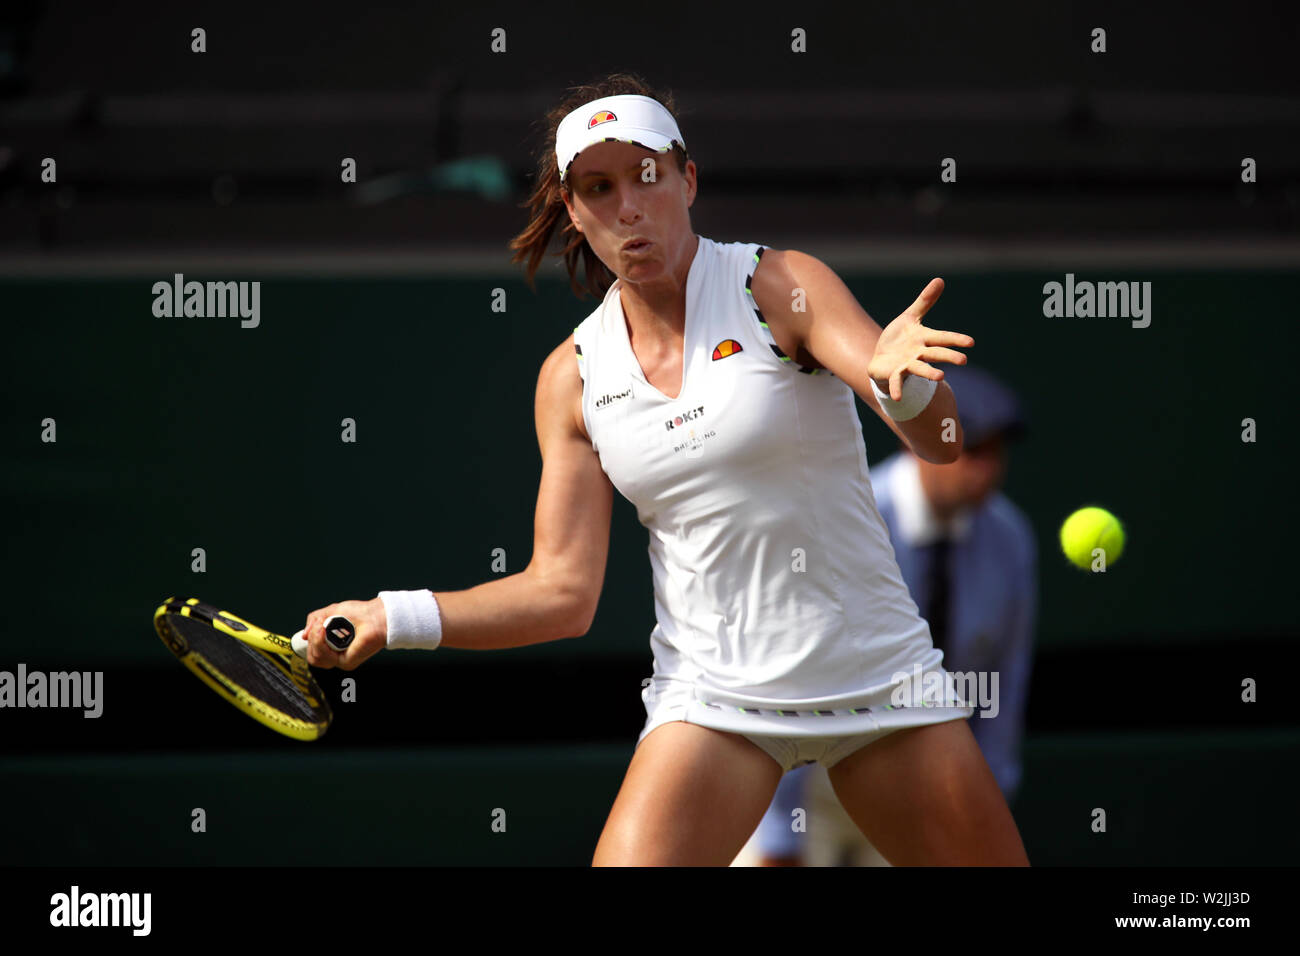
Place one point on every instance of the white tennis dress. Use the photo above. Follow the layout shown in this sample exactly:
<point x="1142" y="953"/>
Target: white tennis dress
<point x="780" y="607"/>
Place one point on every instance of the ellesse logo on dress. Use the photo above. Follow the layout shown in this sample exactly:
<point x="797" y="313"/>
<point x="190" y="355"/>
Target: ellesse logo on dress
<point x="607" y="399"/>
<point x="726" y="347"/>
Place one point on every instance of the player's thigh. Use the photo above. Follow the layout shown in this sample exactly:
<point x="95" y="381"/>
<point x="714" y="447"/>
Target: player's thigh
<point x="925" y="796"/>
<point x="691" y="796"/>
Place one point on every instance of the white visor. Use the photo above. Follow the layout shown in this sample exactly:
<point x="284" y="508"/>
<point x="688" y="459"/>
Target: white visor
<point x="626" y="118"/>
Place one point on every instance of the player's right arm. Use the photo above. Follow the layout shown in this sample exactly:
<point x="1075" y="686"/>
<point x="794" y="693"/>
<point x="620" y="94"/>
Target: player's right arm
<point x="555" y="596"/>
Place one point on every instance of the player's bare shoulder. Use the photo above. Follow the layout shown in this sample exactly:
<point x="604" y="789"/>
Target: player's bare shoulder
<point x="559" y="392"/>
<point x="779" y="287"/>
<point x="772" y="277"/>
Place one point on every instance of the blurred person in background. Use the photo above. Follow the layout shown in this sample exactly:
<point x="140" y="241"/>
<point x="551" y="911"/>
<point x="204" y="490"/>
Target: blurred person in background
<point x="967" y="554"/>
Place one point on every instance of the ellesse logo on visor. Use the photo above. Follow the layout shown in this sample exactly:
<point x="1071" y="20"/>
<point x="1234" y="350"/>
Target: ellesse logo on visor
<point x="604" y="116"/>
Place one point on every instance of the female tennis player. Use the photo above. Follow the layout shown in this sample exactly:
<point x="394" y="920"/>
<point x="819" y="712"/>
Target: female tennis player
<point x="713" y="387"/>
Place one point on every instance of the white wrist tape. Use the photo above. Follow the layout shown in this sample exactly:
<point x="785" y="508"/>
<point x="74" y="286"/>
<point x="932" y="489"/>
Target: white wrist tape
<point x="414" y="620"/>
<point x="917" y="392"/>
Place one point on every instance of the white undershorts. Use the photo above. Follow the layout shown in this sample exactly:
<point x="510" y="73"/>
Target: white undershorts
<point x="790" y="740"/>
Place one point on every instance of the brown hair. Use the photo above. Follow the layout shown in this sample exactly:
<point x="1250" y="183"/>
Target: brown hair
<point x="548" y="210"/>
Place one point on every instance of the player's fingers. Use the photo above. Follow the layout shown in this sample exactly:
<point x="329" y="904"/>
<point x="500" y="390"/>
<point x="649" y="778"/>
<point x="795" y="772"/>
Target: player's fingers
<point x="917" y="367"/>
<point x="944" y="337"/>
<point x="370" y="637"/>
<point x="928" y="297"/>
<point x="320" y="654"/>
<point x="314" y="621"/>
<point x="942" y="355"/>
<point x="358" y="652"/>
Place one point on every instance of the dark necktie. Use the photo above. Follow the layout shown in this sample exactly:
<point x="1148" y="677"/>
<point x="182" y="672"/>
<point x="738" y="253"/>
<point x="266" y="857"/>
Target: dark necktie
<point x="939" y="595"/>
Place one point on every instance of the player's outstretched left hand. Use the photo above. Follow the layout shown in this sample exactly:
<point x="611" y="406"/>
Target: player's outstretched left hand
<point x="906" y="346"/>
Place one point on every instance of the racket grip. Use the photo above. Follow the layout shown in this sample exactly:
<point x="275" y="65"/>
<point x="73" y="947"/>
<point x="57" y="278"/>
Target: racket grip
<point x="339" y="632"/>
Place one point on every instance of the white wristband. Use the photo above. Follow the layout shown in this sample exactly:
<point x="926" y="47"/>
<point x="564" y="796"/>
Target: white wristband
<point x="917" y="392"/>
<point x="414" y="620"/>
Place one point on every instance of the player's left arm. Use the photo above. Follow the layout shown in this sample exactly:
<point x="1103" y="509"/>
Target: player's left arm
<point x="839" y="334"/>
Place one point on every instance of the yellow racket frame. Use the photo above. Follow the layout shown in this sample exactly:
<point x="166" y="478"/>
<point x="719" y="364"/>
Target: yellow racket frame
<point x="276" y="648"/>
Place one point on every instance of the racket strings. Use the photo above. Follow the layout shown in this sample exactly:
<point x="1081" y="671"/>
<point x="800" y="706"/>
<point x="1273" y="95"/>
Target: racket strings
<point x="256" y="673"/>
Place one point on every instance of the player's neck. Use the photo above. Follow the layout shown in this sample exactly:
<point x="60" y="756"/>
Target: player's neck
<point x="656" y="310"/>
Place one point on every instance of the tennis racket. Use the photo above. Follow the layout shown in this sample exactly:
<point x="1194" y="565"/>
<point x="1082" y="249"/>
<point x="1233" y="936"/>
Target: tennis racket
<point x="263" y="674"/>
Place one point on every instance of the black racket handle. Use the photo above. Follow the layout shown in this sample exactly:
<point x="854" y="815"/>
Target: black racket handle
<point x="339" y="632"/>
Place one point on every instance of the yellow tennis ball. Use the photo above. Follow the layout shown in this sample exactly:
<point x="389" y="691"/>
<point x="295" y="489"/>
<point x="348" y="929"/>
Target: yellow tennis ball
<point x="1088" y="529"/>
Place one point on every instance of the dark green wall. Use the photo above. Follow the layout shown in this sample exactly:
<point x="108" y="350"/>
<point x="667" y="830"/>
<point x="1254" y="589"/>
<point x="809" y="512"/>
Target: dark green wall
<point x="175" y="433"/>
